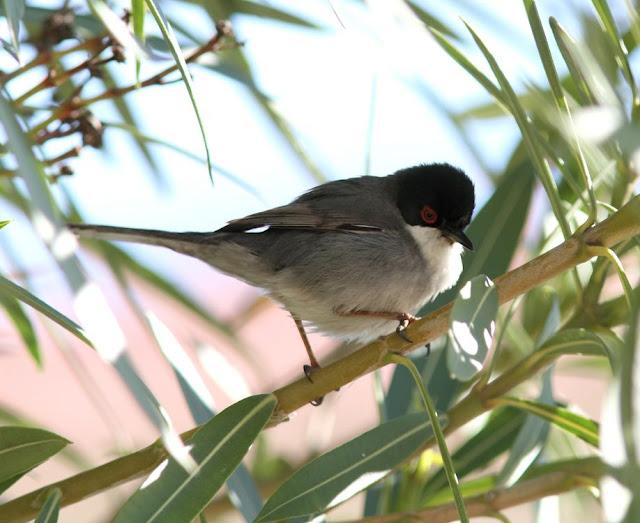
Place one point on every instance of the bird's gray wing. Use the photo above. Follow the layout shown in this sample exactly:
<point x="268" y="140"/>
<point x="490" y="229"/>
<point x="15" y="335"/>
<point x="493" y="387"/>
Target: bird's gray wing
<point x="299" y="215"/>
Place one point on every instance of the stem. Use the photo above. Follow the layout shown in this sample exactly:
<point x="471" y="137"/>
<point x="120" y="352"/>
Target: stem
<point x="53" y="79"/>
<point x="48" y="56"/>
<point x="116" y="92"/>
<point x="620" y="226"/>
<point x="578" y="473"/>
<point x="447" y="462"/>
<point x="605" y="252"/>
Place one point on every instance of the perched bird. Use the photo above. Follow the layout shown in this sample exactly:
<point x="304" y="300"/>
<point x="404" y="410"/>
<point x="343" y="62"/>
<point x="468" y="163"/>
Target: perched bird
<point x="353" y="258"/>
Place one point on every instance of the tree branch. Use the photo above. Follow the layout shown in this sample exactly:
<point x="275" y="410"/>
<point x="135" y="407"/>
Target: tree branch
<point x="566" y="476"/>
<point x="620" y="226"/>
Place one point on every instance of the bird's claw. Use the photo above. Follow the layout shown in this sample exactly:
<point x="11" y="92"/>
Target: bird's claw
<point x="308" y="371"/>
<point x="404" y="320"/>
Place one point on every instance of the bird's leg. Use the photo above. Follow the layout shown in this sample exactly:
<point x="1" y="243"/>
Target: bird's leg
<point x="404" y="319"/>
<point x="313" y="362"/>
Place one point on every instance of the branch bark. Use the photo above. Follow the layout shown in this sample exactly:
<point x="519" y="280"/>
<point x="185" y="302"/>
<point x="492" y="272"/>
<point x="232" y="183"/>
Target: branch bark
<point x="568" y="475"/>
<point x="620" y="226"/>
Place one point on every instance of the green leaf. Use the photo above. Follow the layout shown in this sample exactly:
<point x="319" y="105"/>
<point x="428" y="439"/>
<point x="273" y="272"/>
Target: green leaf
<point x="622" y="54"/>
<point x="119" y="259"/>
<point x="470" y="488"/>
<point x="496" y="437"/>
<point x="122" y="106"/>
<point x="170" y="494"/>
<point x="496" y="228"/>
<point x="265" y="10"/>
<point x="23" y="448"/>
<point x="23" y="325"/>
<point x="243" y="492"/>
<point x="117" y="27"/>
<point x="170" y="38"/>
<point x="447" y="462"/>
<point x="459" y="57"/>
<point x="29" y="168"/>
<point x="432" y="21"/>
<point x="543" y="50"/>
<point x="10" y="289"/>
<point x="541" y="313"/>
<point x="144" y="138"/>
<point x="4" y="223"/>
<point x="530" y="440"/>
<point x="346" y="470"/>
<point x="472" y="327"/>
<point x="529" y="135"/>
<point x="584" y="428"/>
<point x="589" y="78"/>
<point x="401" y="393"/>
<point x="572" y="341"/>
<point x="51" y="507"/>
<point x="14" y="11"/>
<point x="137" y="19"/>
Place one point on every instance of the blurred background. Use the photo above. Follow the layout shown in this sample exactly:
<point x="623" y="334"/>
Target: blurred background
<point x="302" y="93"/>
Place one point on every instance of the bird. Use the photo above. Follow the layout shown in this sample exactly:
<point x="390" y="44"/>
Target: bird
<point x="353" y="259"/>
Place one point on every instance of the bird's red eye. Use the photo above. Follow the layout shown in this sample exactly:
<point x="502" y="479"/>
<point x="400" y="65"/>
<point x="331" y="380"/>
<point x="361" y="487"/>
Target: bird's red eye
<point x="428" y="215"/>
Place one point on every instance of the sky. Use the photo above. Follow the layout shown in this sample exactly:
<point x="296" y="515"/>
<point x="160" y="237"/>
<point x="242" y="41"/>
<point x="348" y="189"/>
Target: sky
<point x="371" y="70"/>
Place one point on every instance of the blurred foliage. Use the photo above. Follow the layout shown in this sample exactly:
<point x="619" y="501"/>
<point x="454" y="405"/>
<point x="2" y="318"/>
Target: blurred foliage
<point x="575" y="163"/>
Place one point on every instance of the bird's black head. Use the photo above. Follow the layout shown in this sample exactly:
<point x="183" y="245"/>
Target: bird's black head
<point x="437" y="195"/>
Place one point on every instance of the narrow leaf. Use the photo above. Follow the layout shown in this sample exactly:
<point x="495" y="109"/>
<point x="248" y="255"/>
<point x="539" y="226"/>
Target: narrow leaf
<point x="119" y="259"/>
<point x="530" y="440"/>
<point x="543" y="49"/>
<point x="431" y="20"/>
<point x="472" y="327"/>
<point x="14" y="11"/>
<point x="460" y="57"/>
<point x="23" y="324"/>
<point x="348" y="469"/>
<point x="9" y="288"/>
<point x="51" y="507"/>
<point x="137" y="18"/>
<point x="496" y="437"/>
<point x="243" y="492"/>
<point x="117" y="27"/>
<point x="170" y="38"/>
<point x="584" y="428"/>
<point x="268" y="11"/>
<point x="23" y="448"/>
<point x="401" y="392"/>
<point x="529" y="135"/>
<point x="170" y="494"/>
<point x="572" y="341"/>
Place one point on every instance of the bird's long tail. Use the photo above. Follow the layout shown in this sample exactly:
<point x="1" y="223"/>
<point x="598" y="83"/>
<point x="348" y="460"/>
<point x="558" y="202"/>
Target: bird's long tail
<point x="185" y="242"/>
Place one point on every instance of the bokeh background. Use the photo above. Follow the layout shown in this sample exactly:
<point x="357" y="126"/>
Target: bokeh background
<point x="331" y="89"/>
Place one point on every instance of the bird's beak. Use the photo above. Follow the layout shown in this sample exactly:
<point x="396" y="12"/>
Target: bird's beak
<point x="459" y="236"/>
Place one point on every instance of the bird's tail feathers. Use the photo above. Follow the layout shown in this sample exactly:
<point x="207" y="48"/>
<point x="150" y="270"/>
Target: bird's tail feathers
<point x="184" y="242"/>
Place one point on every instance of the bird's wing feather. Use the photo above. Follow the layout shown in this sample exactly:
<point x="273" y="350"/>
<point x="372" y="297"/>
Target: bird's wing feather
<point x="299" y="215"/>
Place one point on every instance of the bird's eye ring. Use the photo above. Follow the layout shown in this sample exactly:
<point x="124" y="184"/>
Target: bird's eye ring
<point x="428" y="215"/>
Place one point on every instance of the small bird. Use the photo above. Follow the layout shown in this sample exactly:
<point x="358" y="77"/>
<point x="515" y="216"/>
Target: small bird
<point x="353" y="258"/>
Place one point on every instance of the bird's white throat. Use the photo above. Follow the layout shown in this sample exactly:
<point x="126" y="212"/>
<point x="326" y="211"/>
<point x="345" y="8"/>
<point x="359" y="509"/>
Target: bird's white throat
<point x="443" y="258"/>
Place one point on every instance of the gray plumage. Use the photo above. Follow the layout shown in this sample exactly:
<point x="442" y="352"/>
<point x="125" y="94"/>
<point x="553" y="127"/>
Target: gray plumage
<point x="343" y="246"/>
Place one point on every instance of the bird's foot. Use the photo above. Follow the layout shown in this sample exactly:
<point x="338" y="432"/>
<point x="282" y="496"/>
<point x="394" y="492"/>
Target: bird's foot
<point x="308" y="372"/>
<point x="404" y="320"/>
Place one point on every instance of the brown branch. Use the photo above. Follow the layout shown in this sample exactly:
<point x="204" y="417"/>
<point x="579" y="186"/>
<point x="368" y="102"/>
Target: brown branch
<point x="45" y="57"/>
<point x="574" y="474"/>
<point x="622" y="225"/>
<point x="75" y="103"/>
<point x="55" y="79"/>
